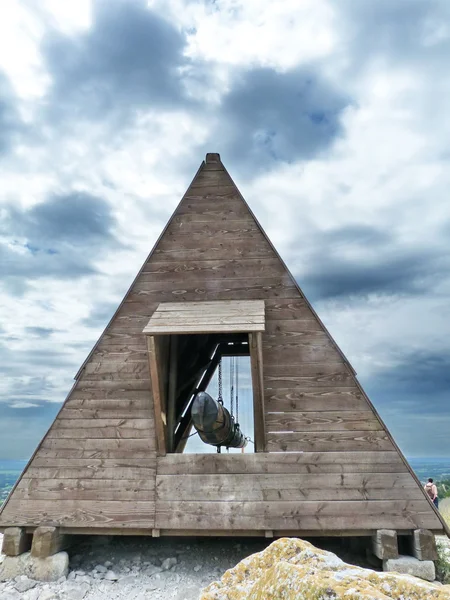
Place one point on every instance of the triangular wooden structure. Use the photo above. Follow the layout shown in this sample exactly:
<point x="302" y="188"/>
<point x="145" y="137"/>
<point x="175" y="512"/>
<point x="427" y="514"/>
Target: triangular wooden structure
<point x="325" y="462"/>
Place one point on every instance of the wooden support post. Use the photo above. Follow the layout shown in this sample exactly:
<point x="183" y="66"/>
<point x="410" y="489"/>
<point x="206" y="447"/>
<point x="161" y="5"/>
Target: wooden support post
<point x="15" y="541"/>
<point x="156" y="532"/>
<point x="48" y="541"/>
<point x="158" y="397"/>
<point x="385" y="544"/>
<point x="172" y="395"/>
<point x="255" y="345"/>
<point x="424" y="545"/>
<point x="268" y="533"/>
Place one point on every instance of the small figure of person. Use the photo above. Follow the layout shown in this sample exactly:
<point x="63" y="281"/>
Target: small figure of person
<point x="431" y="490"/>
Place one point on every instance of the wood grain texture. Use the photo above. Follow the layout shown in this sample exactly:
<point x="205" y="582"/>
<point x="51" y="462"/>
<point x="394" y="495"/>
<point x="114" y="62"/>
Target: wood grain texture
<point x="101" y="414"/>
<point x="305" y="515"/>
<point x="323" y="440"/>
<point x="284" y="400"/>
<point x="154" y="357"/>
<point x="205" y="317"/>
<point x="210" y="269"/>
<point x="89" y="473"/>
<point x="276" y="487"/>
<point x="100" y="444"/>
<point x="97" y="467"/>
<point x="299" y="462"/>
<point x="307" y="375"/>
<point x="257" y="371"/>
<point x="81" y="513"/>
<point x="86" y="489"/>
<point x="100" y="433"/>
<point x="363" y="420"/>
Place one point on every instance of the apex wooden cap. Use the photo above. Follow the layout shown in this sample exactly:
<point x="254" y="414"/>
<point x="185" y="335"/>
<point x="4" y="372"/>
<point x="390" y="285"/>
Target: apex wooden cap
<point x="211" y="157"/>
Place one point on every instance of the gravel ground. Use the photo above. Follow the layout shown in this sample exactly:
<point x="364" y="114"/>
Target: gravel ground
<point x="105" y="568"/>
<point x="145" y="568"/>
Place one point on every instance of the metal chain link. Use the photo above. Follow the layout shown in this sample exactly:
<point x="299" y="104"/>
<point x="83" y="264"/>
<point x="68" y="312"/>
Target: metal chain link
<point x="237" y="389"/>
<point x="220" y="397"/>
<point x="232" y="385"/>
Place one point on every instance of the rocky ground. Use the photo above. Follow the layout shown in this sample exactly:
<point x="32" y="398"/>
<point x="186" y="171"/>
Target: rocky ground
<point x="137" y="569"/>
<point x="105" y="568"/>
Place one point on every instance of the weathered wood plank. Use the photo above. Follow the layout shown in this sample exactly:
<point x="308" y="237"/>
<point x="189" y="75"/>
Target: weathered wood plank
<point x="111" y="338"/>
<point x="119" y="454"/>
<point x="119" y="355"/>
<point x="209" y="212"/>
<point x="303" y="324"/>
<point x="301" y="462"/>
<point x="89" y="444"/>
<point x="109" y="399"/>
<point x="287" y="487"/>
<point x="323" y="441"/>
<point x="228" y="307"/>
<point x="295" y="353"/>
<point x="256" y="365"/>
<point x="97" y="414"/>
<point x="198" y="192"/>
<point x="154" y="356"/>
<point x="86" y="489"/>
<point x="363" y="420"/>
<point x="144" y="424"/>
<point x="102" y="433"/>
<point x="108" y="389"/>
<point x="210" y="269"/>
<point x="93" y="463"/>
<point x="217" y="251"/>
<point x="310" y="375"/>
<point x="205" y="317"/>
<point x="293" y="400"/>
<point x="288" y="335"/>
<point x="204" y="328"/>
<point x="310" y="515"/>
<point x="89" y="473"/>
<point x="121" y="514"/>
<point x="115" y="370"/>
<point x="231" y="229"/>
<point x="173" y="290"/>
<point x="193" y="203"/>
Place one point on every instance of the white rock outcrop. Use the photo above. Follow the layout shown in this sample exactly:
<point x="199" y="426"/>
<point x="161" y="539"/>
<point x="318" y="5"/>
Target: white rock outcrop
<point x="292" y="569"/>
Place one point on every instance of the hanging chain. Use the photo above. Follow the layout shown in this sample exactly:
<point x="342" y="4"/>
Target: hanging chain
<point x="232" y="385"/>
<point x="220" y="397"/>
<point x="237" y="389"/>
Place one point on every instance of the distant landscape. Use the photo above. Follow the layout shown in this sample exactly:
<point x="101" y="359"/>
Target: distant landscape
<point x="10" y="471"/>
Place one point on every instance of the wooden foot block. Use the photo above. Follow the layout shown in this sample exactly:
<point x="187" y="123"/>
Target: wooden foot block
<point x="47" y="541"/>
<point x="424" y="545"/>
<point x="15" y="541"/>
<point x="384" y="544"/>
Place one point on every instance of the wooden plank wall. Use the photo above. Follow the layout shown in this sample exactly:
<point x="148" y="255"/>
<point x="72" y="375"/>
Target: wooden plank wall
<point x="330" y="465"/>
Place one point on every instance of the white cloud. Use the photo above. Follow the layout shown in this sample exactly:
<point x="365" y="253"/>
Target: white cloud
<point x="386" y="170"/>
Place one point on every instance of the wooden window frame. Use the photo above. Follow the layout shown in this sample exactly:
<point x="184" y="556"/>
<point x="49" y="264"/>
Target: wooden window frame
<point x="160" y="330"/>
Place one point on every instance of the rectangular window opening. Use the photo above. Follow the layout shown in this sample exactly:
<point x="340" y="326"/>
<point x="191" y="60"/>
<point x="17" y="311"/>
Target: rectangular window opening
<point x="243" y="412"/>
<point x="186" y="344"/>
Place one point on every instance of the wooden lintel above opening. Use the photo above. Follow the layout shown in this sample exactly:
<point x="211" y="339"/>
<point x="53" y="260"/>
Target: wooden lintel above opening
<point x="230" y="316"/>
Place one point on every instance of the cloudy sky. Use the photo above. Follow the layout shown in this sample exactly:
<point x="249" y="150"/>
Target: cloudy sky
<point x="333" y="117"/>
